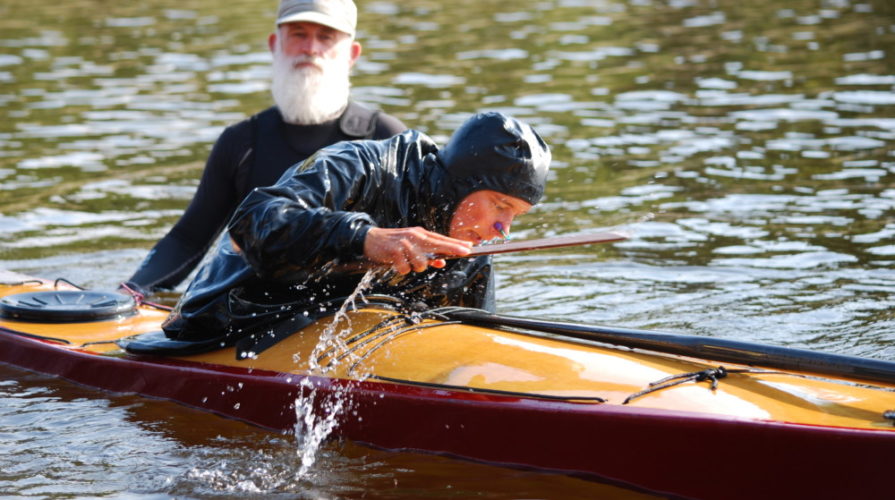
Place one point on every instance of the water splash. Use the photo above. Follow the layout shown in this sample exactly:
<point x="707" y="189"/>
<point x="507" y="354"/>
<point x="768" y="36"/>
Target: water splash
<point x="316" y="414"/>
<point x="318" y="408"/>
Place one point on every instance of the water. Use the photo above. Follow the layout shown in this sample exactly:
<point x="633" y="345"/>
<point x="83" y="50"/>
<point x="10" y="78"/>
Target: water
<point x="66" y="441"/>
<point x="311" y="428"/>
<point x="759" y="134"/>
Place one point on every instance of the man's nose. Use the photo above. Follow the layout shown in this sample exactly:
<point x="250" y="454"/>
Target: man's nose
<point x="503" y="227"/>
<point x="310" y="46"/>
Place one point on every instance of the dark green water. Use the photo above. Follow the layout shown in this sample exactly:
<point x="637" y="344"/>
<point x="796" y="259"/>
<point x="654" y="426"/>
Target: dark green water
<point x="748" y="147"/>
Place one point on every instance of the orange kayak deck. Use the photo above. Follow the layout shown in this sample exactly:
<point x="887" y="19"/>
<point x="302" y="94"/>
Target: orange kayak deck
<point x="482" y="393"/>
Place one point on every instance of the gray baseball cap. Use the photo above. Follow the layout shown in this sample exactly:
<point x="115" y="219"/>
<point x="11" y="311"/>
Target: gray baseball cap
<point x="337" y="14"/>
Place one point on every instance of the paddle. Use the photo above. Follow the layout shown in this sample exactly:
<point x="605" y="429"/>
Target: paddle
<point x="732" y="351"/>
<point x="544" y="243"/>
<point x="496" y="248"/>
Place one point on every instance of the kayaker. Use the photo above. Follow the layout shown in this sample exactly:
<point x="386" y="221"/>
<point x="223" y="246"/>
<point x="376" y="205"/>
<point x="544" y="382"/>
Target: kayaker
<point x="313" y="49"/>
<point x="400" y="202"/>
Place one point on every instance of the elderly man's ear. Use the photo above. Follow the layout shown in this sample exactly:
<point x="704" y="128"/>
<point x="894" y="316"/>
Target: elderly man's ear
<point x="356" y="51"/>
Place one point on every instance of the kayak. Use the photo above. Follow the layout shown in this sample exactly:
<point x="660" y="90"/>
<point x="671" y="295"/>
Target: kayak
<point x="667" y="424"/>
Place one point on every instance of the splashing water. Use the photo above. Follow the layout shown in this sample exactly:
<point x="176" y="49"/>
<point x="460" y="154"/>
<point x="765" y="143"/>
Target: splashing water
<point x="330" y="338"/>
<point x="316" y="410"/>
<point x="313" y="427"/>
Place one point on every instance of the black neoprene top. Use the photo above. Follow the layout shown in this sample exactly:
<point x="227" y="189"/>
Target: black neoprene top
<point x="252" y="153"/>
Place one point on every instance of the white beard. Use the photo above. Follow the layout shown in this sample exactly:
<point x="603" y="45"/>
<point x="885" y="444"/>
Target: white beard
<point x="310" y="95"/>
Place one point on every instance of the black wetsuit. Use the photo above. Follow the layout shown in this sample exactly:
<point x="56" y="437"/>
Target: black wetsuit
<point x="254" y="152"/>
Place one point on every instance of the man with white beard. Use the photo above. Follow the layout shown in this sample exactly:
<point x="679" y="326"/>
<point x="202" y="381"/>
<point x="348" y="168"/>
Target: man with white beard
<point x="313" y="50"/>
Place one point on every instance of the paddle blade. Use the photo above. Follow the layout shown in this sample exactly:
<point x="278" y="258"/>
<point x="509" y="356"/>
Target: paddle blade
<point x="545" y="243"/>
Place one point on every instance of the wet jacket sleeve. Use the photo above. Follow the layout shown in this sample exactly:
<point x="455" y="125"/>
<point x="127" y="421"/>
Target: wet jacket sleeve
<point x="179" y="251"/>
<point x="306" y="219"/>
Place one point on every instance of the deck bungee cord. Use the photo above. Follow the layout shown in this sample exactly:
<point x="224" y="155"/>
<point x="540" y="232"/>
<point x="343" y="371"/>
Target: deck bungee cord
<point x="713" y="375"/>
<point x="392" y="323"/>
<point x="498" y="392"/>
<point x="35" y="336"/>
<point x="410" y="329"/>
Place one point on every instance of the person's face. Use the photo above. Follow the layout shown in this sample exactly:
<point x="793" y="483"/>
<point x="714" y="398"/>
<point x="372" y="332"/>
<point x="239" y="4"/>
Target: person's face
<point x="309" y="41"/>
<point x="476" y="215"/>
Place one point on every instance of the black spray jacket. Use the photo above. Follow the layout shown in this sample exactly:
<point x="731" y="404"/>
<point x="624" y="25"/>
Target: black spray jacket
<point x="290" y="234"/>
<point x="319" y="212"/>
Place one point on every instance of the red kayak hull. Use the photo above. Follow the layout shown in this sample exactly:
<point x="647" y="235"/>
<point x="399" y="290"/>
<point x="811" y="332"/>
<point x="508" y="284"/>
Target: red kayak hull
<point x="676" y="454"/>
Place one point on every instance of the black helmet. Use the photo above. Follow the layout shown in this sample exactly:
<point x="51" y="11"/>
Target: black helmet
<point x="497" y="152"/>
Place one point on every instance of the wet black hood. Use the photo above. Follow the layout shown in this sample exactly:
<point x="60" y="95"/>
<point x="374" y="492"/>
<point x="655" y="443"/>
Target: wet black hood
<point x="496" y="152"/>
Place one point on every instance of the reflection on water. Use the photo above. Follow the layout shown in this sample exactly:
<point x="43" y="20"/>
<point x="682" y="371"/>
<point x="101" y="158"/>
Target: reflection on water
<point x="66" y="441"/>
<point x="760" y="134"/>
